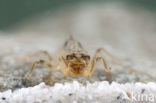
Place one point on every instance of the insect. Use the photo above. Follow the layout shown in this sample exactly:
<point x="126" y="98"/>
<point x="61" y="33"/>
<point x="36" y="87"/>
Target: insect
<point x="73" y="59"/>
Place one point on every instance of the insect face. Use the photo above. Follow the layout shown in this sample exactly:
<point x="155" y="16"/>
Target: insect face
<point x="77" y="62"/>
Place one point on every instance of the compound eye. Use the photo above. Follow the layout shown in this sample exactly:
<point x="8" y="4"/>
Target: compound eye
<point x="69" y="57"/>
<point x="86" y="57"/>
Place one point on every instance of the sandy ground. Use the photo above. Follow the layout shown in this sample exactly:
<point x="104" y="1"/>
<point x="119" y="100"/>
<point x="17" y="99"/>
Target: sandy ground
<point x="128" y="34"/>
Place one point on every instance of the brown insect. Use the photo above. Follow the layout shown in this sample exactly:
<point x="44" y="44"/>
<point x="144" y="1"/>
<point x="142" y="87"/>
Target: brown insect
<point x="73" y="59"/>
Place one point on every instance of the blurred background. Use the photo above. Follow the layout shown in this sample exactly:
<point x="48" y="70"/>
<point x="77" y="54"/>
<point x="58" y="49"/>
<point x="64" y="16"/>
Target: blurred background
<point x="124" y="24"/>
<point x="126" y="28"/>
<point x="14" y="12"/>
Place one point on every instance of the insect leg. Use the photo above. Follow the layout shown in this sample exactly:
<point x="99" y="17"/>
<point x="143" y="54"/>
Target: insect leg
<point x="41" y="52"/>
<point x="116" y="61"/>
<point x="38" y="62"/>
<point x="50" y="66"/>
<point x="93" y="64"/>
<point x="42" y="62"/>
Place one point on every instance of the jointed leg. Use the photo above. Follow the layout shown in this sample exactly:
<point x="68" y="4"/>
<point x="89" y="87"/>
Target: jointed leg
<point x="93" y="64"/>
<point x="39" y="62"/>
<point x="45" y="53"/>
<point x="116" y="61"/>
<point x="45" y="64"/>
